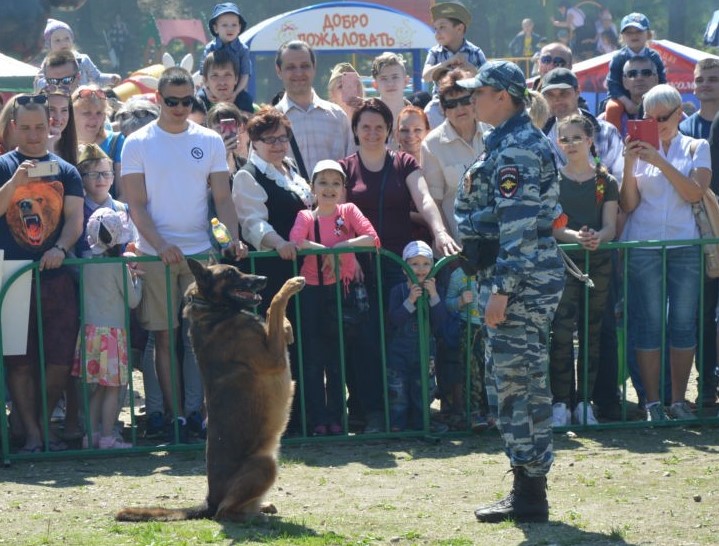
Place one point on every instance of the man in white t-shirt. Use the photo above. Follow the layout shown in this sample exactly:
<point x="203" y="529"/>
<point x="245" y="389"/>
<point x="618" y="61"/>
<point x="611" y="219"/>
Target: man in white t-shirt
<point x="169" y="170"/>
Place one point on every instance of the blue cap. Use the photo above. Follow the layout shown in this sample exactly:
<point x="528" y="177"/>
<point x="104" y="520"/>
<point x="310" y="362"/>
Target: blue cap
<point x="636" y="20"/>
<point x="222" y="9"/>
<point x="502" y="75"/>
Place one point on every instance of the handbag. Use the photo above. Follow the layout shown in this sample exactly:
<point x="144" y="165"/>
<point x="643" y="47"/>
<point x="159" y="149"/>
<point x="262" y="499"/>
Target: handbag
<point x="706" y="214"/>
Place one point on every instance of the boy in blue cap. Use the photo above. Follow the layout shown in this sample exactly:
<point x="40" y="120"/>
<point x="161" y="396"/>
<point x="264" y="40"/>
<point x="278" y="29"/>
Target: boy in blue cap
<point x="226" y="25"/>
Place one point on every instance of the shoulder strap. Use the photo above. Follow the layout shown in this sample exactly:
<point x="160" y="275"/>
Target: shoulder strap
<point x="385" y="171"/>
<point x="318" y="239"/>
<point x="298" y="158"/>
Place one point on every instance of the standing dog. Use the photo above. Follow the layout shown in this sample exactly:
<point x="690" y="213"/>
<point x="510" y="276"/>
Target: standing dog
<point x="248" y="391"/>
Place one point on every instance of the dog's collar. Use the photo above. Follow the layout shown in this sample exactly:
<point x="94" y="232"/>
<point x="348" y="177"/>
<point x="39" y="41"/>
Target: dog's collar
<point x="197" y="301"/>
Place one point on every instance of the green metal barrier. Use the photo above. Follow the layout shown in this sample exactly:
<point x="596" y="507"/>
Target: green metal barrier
<point x="145" y="446"/>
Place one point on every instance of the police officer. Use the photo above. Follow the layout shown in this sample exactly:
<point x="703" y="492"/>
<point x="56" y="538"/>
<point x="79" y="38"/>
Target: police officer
<point x="505" y="208"/>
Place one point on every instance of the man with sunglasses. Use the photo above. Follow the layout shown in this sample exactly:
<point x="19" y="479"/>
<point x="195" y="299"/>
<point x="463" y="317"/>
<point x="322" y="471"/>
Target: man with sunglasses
<point x="40" y="220"/>
<point x="59" y="68"/>
<point x="639" y="76"/>
<point x="167" y="168"/>
<point x="552" y="56"/>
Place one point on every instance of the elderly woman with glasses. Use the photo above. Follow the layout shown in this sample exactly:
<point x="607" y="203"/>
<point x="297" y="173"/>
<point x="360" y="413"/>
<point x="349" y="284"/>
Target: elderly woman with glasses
<point x="91" y="109"/>
<point x="659" y="187"/>
<point x="268" y="192"/>
<point x="134" y="114"/>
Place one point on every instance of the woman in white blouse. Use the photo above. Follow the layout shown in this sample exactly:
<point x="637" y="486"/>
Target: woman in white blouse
<point x="658" y="188"/>
<point x="268" y="192"/>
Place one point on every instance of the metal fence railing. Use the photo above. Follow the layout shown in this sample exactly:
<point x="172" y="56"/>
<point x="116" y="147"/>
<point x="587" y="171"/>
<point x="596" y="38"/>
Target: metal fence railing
<point x="302" y="433"/>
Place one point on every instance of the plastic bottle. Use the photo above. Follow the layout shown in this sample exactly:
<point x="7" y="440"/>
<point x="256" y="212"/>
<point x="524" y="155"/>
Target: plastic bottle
<point x="221" y="233"/>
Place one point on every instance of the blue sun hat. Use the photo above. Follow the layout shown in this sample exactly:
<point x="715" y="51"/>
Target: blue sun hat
<point x="222" y="9"/>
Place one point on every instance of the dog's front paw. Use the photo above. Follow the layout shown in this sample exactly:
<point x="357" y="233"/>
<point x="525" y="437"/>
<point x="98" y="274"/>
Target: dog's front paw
<point x="295" y="284"/>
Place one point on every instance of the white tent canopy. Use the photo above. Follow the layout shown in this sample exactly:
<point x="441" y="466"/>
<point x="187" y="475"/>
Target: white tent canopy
<point x="15" y="75"/>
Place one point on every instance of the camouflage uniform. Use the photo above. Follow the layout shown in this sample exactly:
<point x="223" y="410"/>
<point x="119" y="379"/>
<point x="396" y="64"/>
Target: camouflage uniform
<point x="510" y="196"/>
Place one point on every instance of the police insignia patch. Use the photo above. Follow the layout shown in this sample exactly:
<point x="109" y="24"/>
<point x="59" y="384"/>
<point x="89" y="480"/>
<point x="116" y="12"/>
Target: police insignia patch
<point x="508" y="181"/>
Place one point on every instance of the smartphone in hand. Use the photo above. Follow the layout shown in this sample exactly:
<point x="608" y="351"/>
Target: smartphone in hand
<point x="351" y="86"/>
<point x="228" y="128"/>
<point x="645" y="130"/>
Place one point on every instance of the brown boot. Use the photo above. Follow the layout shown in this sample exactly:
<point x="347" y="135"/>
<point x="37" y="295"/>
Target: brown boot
<point x="526" y="502"/>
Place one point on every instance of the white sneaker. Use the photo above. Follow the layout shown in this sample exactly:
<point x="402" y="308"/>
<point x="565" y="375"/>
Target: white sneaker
<point x="579" y="415"/>
<point x="560" y="415"/>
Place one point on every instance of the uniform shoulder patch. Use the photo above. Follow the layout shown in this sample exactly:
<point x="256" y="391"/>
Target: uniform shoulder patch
<point x="508" y="180"/>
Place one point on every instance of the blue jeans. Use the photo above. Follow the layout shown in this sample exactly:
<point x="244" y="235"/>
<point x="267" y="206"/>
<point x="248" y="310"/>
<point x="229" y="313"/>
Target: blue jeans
<point x="647" y="310"/>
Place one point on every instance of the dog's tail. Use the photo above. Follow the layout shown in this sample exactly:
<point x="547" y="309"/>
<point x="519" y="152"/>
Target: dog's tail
<point x="164" y="514"/>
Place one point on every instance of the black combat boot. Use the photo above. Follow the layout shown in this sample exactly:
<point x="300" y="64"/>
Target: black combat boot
<point x="526" y="502"/>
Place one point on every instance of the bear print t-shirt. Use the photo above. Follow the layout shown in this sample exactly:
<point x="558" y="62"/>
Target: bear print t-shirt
<point x="33" y="220"/>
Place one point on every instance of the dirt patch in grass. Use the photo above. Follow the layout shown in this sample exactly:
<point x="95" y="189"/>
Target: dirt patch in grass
<point x="653" y="487"/>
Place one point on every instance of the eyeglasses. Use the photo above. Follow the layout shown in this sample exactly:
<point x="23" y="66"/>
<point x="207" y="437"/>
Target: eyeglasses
<point x="662" y="119"/>
<point x="284" y="139"/>
<point x="56" y="90"/>
<point x="556" y="61"/>
<point x="172" y="102"/>
<point x="86" y="93"/>
<point x="450" y="104"/>
<point x="67" y="80"/>
<point x="576" y="139"/>
<point x="644" y="73"/>
<point x="95" y="175"/>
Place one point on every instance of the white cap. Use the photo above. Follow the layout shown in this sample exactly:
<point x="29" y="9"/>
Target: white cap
<point x="417" y="248"/>
<point x="327" y="165"/>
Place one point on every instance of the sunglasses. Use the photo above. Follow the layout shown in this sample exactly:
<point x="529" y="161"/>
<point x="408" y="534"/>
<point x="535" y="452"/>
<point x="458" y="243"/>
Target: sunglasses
<point x="173" y="102"/>
<point x="24" y="100"/>
<point x="95" y="175"/>
<point x="53" y="89"/>
<point x="576" y="139"/>
<point x="644" y="73"/>
<point x="662" y="119"/>
<point x="556" y="61"/>
<point x="284" y="139"/>
<point x="450" y="104"/>
<point x="67" y="80"/>
<point x="85" y="93"/>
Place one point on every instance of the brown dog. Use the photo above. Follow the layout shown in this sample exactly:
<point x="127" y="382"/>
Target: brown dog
<point x="248" y="390"/>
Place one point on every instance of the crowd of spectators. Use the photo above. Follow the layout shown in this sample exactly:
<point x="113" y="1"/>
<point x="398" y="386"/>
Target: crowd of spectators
<point x="166" y="164"/>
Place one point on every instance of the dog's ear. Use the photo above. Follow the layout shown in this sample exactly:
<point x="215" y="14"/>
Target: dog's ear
<point x="200" y="272"/>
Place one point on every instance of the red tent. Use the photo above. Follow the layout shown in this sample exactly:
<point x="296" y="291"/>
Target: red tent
<point x="187" y="30"/>
<point x="679" y="61"/>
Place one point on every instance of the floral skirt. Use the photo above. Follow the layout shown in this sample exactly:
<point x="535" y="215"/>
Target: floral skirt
<point x="106" y="356"/>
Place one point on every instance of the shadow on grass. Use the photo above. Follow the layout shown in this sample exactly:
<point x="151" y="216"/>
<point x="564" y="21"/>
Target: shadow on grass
<point x="561" y="534"/>
<point x="275" y="529"/>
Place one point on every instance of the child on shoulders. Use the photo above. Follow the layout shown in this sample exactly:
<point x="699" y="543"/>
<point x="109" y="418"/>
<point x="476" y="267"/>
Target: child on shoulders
<point x="635" y="34"/>
<point x="451" y="21"/>
<point x="59" y="36"/>
<point x="226" y="25"/>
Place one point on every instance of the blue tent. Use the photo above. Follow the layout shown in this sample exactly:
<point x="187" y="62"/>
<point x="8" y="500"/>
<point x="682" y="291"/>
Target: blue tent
<point x="343" y="28"/>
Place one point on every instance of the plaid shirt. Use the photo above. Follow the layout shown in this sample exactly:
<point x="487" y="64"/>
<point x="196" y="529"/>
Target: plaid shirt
<point x="438" y="54"/>
<point x="322" y="131"/>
